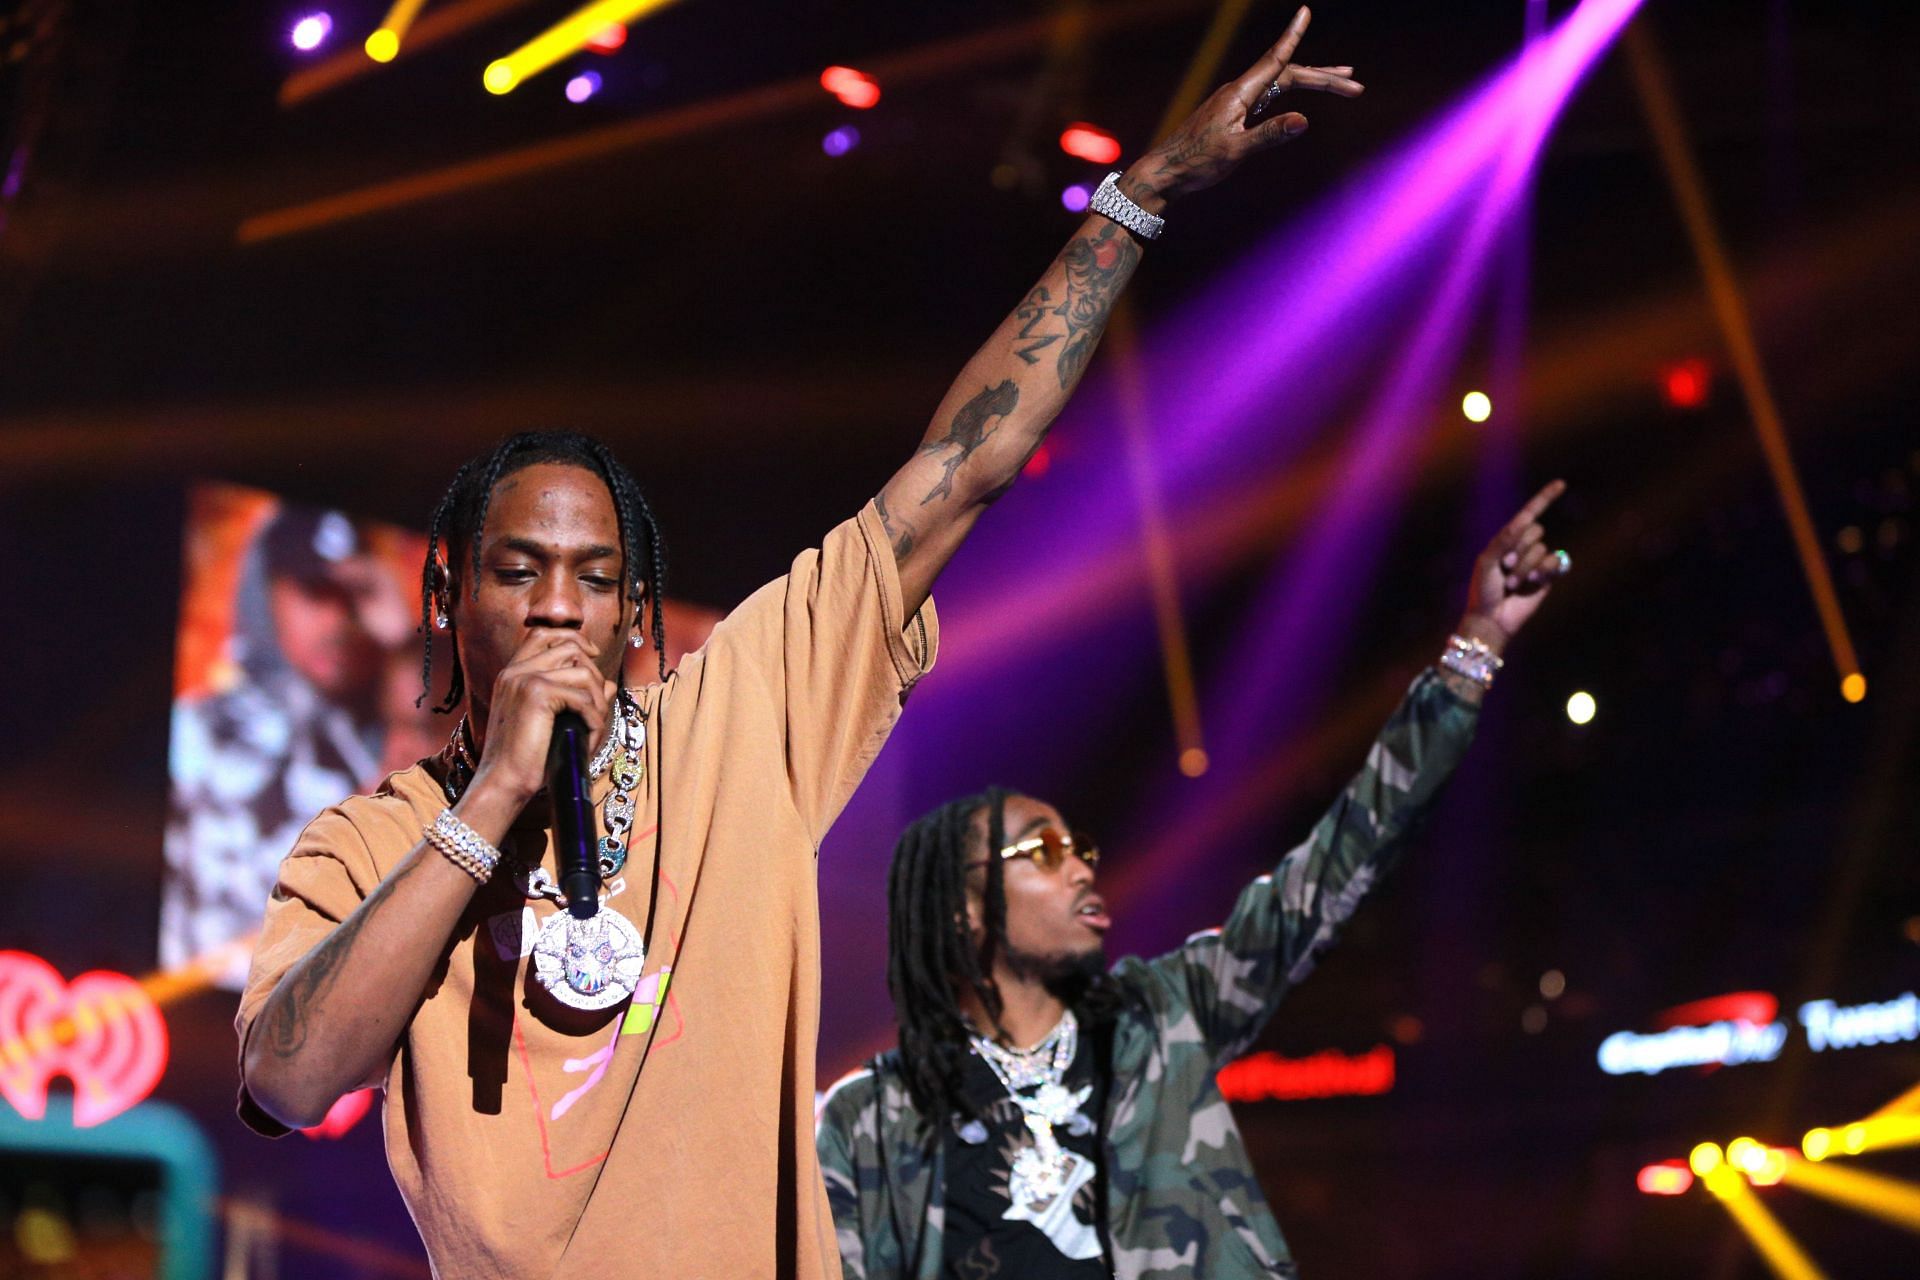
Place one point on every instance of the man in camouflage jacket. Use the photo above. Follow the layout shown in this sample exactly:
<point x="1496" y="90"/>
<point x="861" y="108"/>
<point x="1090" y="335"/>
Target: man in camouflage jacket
<point x="1178" y="1198"/>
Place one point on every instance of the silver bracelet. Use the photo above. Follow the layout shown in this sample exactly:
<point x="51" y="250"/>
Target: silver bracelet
<point x="1471" y="659"/>
<point x="464" y="847"/>
<point x="1108" y="202"/>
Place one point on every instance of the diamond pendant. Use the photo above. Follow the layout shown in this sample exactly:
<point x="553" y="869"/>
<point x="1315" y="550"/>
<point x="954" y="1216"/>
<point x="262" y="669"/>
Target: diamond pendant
<point x="1039" y="1172"/>
<point x="589" y="964"/>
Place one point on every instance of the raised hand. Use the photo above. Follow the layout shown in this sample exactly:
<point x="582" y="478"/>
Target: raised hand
<point x="1235" y="122"/>
<point x="1514" y="574"/>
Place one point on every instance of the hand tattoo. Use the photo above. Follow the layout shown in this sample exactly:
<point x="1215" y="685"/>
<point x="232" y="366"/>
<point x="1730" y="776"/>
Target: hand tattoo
<point x="969" y="431"/>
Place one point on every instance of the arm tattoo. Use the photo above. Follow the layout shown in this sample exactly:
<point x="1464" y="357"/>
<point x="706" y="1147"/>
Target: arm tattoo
<point x="1031" y="314"/>
<point x="308" y="985"/>
<point x="1097" y="268"/>
<point x="900" y="535"/>
<point x="969" y="431"/>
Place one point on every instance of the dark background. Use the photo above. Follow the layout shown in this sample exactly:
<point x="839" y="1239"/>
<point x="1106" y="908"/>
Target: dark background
<point x="762" y="330"/>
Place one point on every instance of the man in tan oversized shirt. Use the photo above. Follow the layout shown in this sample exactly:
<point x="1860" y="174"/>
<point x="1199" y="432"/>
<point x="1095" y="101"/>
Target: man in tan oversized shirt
<point x="670" y="1134"/>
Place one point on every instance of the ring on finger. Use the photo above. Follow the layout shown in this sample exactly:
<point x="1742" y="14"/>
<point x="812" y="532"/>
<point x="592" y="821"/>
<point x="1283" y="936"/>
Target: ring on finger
<point x="1562" y="562"/>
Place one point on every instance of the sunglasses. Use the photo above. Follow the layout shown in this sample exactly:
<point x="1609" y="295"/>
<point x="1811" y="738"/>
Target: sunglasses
<point x="1049" y="847"/>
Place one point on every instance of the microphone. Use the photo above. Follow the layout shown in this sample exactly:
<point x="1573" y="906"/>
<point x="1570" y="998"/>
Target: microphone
<point x="575" y="848"/>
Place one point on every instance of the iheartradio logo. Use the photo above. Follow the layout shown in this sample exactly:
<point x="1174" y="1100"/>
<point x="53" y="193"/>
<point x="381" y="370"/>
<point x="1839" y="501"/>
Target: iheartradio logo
<point x="102" y="1031"/>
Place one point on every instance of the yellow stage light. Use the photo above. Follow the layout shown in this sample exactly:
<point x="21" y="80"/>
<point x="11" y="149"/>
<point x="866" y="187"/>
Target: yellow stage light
<point x="1888" y="1199"/>
<point x="1705" y="1158"/>
<point x="1780" y="1251"/>
<point x="1581" y="707"/>
<point x="1854" y="687"/>
<point x="1745" y="1154"/>
<point x="1817" y="1144"/>
<point x="1477" y="406"/>
<point x="1853" y="1139"/>
<point x="568" y="36"/>
<point x="384" y="44"/>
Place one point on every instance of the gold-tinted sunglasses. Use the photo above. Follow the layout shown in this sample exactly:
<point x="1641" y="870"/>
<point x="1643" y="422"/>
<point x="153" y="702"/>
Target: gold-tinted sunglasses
<point x="1049" y="847"/>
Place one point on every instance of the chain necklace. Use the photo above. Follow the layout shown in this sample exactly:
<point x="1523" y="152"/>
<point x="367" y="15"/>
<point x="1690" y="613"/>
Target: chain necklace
<point x="1035" y="1080"/>
<point x="596" y="962"/>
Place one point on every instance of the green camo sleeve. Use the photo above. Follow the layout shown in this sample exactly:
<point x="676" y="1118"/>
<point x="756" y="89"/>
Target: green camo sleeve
<point x="1233" y="977"/>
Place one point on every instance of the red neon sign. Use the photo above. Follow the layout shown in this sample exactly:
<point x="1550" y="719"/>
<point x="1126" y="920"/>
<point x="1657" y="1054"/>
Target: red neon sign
<point x="1756" y="1007"/>
<point x="1327" y="1074"/>
<point x="102" y="1031"/>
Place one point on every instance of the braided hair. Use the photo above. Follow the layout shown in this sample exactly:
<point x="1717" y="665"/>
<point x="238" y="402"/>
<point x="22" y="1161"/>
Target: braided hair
<point x="460" y="523"/>
<point x="930" y="952"/>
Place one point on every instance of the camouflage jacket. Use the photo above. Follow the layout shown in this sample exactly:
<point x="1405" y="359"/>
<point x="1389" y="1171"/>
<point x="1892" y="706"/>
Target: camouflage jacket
<point x="1182" y="1200"/>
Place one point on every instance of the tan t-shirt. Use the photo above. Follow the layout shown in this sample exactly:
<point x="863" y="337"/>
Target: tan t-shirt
<point x="674" y="1139"/>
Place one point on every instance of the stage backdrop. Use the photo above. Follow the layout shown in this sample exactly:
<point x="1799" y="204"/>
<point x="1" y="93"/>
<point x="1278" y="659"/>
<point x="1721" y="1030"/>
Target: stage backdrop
<point x="296" y="672"/>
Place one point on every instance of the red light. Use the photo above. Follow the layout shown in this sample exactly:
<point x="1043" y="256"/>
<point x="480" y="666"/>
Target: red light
<point x="1668" y="1178"/>
<point x="609" y="39"/>
<point x="1686" y="384"/>
<point x="1756" y="1007"/>
<point x="1038" y="464"/>
<point x="1327" y="1074"/>
<point x="342" y="1115"/>
<point x="1090" y="143"/>
<point x="853" y="88"/>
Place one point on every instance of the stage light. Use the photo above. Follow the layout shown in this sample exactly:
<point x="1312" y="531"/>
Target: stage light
<point x="1854" y="687"/>
<point x="1581" y="707"/>
<point x="565" y="37"/>
<point x="311" y="31"/>
<point x="1477" y="406"/>
<point x="1685" y="384"/>
<point x="609" y="39"/>
<point x="1772" y="1168"/>
<point x="854" y="89"/>
<point x="1090" y="143"/>
<point x="384" y="44"/>
<point x="1705" y="1158"/>
<point x="583" y="86"/>
<point x="1853" y="1139"/>
<point x="841" y="140"/>
<point x="1745" y="1154"/>
<point x="1193" y="761"/>
<point x="1817" y="1144"/>
<point x="1668" y="1178"/>
<point x="1038" y="463"/>
<point x="1076" y="198"/>
<point x="499" y="77"/>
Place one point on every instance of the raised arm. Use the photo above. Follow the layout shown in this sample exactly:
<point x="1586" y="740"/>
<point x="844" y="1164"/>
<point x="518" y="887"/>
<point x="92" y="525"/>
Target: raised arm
<point x="998" y="410"/>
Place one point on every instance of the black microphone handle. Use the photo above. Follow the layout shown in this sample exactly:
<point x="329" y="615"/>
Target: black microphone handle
<point x="575" y="849"/>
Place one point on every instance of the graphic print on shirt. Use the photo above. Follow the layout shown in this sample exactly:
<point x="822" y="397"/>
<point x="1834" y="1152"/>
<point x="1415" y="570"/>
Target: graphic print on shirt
<point x="1066" y="1218"/>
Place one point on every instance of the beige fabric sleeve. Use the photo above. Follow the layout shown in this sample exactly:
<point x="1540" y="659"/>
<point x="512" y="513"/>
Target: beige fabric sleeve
<point x="839" y="656"/>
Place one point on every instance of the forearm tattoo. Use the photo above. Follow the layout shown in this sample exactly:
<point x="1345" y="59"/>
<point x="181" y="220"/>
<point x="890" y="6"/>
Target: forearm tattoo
<point x="899" y="534"/>
<point x="292" y="1007"/>
<point x="1097" y="269"/>
<point x="968" y="431"/>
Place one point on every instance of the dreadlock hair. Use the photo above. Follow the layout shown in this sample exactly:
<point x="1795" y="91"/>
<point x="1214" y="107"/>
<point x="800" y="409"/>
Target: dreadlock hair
<point x="930" y="952"/>
<point x="460" y="523"/>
